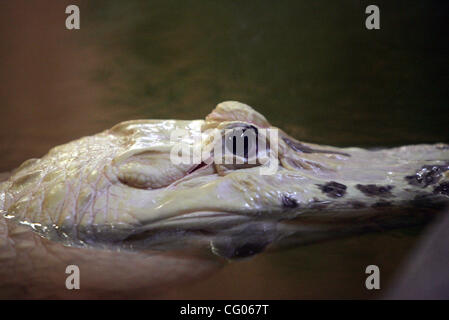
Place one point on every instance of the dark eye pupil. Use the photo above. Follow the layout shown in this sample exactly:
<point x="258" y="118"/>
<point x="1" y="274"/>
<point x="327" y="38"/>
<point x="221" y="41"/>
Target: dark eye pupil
<point x="245" y="137"/>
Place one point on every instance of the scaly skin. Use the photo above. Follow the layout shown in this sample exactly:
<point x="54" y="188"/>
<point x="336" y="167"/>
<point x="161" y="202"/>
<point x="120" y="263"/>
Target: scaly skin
<point x="119" y="188"/>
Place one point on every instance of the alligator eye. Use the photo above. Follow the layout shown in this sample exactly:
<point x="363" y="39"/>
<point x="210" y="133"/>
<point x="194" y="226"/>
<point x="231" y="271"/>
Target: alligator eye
<point x="241" y="142"/>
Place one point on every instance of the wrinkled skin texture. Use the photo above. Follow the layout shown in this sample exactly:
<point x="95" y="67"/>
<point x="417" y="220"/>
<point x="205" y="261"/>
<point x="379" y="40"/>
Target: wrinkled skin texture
<point x="120" y="190"/>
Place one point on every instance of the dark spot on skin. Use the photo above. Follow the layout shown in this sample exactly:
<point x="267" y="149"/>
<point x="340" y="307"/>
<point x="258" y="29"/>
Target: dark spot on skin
<point x="357" y="204"/>
<point x="289" y="202"/>
<point x="427" y="175"/>
<point x="333" y="189"/>
<point x="382" y="204"/>
<point x="443" y="188"/>
<point x="372" y="190"/>
<point x="299" y="147"/>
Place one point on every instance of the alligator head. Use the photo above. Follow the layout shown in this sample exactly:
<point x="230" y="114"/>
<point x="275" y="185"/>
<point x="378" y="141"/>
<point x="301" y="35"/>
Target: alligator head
<point x="123" y="187"/>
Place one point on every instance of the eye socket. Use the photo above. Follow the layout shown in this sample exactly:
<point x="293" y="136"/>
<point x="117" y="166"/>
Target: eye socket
<point x="241" y="142"/>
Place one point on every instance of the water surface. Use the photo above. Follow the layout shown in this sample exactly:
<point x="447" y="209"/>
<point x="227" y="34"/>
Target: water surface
<point x="311" y="68"/>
